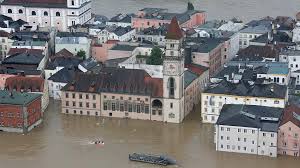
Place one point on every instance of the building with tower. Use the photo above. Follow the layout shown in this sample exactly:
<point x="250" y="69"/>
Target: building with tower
<point x="134" y="94"/>
<point x="173" y="74"/>
<point x="49" y="13"/>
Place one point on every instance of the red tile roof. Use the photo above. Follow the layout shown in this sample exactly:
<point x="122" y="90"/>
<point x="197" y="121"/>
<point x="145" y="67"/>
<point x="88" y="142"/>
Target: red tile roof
<point x="13" y="51"/>
<point x="289" y="114"/>
<point x="198" y="69"/>
<point x="34" y="84"/>
<point x="156" y="84"/>
<point x="174" y="31"/>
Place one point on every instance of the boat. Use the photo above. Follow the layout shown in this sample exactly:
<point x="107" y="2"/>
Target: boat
<point x="152" y="159"/>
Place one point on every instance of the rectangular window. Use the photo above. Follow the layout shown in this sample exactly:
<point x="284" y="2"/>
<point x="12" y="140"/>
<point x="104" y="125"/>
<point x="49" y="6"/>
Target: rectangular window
<point x="94" y="105"/>
<point x="67" y="95"/>
<point x="94" y="97"/>
<point x="80" y="104"/>
<point x="73" y="95"/>
<point x="146" y="109"/>
<point x="80" y="96"/>
<point x="67" y="103"/>
<point x="87" y="105"/>
<point x="105" y="106"/>
<point x="113" y="106"/>
<point x="87" y="96"/>
<point x="138" y="108"/>
<point x="129" y="107"/>
<point x="121" y="107"/>
<point x="74" y="104"/>
<point x="171" y="105"/>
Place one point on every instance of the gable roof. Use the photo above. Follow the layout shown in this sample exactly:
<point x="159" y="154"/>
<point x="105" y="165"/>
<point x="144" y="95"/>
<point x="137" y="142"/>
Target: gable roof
<point x="291" y="113"/>
<point x="189" y="77"/>
<point x="174" y="31"/>
<point x="117" y="80"/>
<point x="198" y="69"/>
<point x="64" y="75"/>
<point x="63" y="53"/>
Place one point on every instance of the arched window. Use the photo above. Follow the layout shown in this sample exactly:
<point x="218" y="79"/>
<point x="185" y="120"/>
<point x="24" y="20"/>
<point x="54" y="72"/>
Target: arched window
<point x="20" y="11"/>
<point x="45" y="13"/>
<point x="57" y="14"/>
<point x="33" y="13"/>
<point x="9" y="11"/>
<point x="171" y="86"/>
<point x="73" y="3"/>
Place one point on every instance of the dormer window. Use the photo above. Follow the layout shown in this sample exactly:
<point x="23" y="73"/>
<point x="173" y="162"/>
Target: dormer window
<point x="20" y="11"/>
<point x="9" y="11"/>
<point x="172" y="45"/>
<point x="73" y="3"/>
<point x="57" y="14"/>
<point x="45" y="13"/>
<point x="33" y="13"/>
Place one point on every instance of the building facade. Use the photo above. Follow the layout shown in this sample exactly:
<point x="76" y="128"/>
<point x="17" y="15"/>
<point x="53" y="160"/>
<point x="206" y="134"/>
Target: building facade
<point x="20" y="112"/>
<point x="248" y="129"/>
<point x="289" y="132"/>
<point x="214" y="97"/>
<point x="51" y="13"/>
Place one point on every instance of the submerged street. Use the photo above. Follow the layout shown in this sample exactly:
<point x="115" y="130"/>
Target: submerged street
<point x="63" y="141"/>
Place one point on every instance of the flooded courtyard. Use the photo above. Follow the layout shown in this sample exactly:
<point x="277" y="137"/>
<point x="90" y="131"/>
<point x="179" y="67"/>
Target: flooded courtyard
<point x="63" y="141"/>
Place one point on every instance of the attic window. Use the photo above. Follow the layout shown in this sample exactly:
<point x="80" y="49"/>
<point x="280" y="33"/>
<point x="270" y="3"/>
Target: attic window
<point x="20" y="11"/>
<point x="33" y="13"/>
<point x="57" y="14"/>
<point x="45" y="13"/>
<point x="9" y="11"/>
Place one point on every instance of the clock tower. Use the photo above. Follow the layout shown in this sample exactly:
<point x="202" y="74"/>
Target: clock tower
<point x="173" y="75"/>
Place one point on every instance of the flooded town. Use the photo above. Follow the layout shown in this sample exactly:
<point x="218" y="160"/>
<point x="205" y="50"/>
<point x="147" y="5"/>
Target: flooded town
<point x="148" y="85"/>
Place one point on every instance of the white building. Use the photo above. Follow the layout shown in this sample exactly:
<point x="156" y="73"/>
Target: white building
<point x="73" y="42"/>
<point x="296" y="30"/>
<point x="250" y="33"/>
<point x="116" y="33"/>
<point x="59" y="80"/>
<point x="122" y="20"/>
<point x="50" y="13"/>
<point x="5" y="44"/>
<point x="248" y="129"/>
<point x="213" y="98"/>
<point x="292" y="57"/>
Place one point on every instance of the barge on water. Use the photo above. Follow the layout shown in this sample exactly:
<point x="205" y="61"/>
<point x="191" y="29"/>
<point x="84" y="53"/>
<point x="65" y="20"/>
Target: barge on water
<point x="152" y="159"/>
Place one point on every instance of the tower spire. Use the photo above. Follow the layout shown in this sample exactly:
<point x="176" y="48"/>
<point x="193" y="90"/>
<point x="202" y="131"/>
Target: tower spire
<point x="174" y="31"/>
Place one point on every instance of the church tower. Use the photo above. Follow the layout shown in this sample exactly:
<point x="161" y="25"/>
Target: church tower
<point x="296" y="30"/>
<point x="173" y="75"/>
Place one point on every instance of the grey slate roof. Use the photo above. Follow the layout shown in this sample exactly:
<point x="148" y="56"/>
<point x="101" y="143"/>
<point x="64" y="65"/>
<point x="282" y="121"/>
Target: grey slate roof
<point x="203" y="44"/>
<point x="251" y="116"/>
<point x="120" y="31"/>
<point x="65" y="75"/>
<point x="63" y="62"/>
<point x="261" y="29"/>
<point x="24" y="58"/>
<point x="247" y="73"/>
<point x="20" y="71"/>
<point x="17" y="98"/>
<point x="189" y="77"/>
<point x="123" y="47"/>
<point x="123" y="18"/>
<point x="290" y="52"/>
<point x="279" y="37"/>
<point x="245" y="89"/>
<point x="71" y="34"/>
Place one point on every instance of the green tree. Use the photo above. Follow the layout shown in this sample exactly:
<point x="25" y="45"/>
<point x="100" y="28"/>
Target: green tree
<point x="155" y="57"/>
<point x="190" y="6"/>
<point x="81" y="54"/>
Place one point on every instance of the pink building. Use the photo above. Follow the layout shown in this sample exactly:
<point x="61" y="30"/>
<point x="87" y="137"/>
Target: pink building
<point x="100" y="51"/>
<point x="289" y="132"/>
<point x="155" y="17"/>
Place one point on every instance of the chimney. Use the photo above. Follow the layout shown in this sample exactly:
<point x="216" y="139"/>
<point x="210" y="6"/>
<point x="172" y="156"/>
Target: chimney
<point x="270" y="36"/>
<point x="7" y="23"/>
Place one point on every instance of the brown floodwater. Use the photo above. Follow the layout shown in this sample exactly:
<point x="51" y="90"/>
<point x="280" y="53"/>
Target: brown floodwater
<point x="62" y="141"/>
